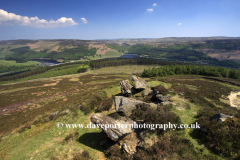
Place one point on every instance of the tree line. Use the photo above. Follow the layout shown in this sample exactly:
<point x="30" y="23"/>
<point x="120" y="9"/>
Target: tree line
<point x="133" y="61"/>
<point x="170" y="68"/>
<point x="96" y="64"/>
<point x="24" y="54"/>
<point x="181" y="52"/>
<point x="40" y="70"/>
<point x="192" y="69"/>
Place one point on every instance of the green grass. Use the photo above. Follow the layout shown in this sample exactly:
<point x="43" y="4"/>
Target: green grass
<point x="156" y="83"/>
<point x="6" y="50"/>
<point x="45" y="140"/>
<point x="113" y="54"/>
<point x="10" y="67"/>
<point x="12" y="63"/>
<point x="72" y="69"/>
<point x="50" y="94"/>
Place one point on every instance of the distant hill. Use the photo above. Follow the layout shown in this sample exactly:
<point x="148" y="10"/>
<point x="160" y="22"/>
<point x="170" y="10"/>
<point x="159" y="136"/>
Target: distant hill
<point x="222" y="51"/>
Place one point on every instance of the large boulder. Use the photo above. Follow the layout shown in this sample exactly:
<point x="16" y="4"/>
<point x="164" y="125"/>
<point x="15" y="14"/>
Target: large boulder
<point x="146" y="92"/>
<point x="125" y="105"/>
<point x="119" y="101"/>
<point x="113" y="128"/>
<point x="126" y="87"/>
<point x="162" y="98"/>
<point x="220" y="117"/>
<point x="139" y="83"/>
<point x="52" y="115"/>
<point x="130" y="143"/>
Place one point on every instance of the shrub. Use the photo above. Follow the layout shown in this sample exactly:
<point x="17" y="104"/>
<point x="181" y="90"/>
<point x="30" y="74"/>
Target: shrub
<point x="170" y="147"/>
<point x="96" y="101"/>
<point x="74" y="111"/>
<point x="148" y="99"/>
<point x="138" y="113"/>
<point x="54" y="158"/>
<point x="152" y="116"/>
<point x="41" y="120"/>
<point x="82" y="156"/>
<point x="69" y="137"/>
<point x="83" y="68"/>
<point x="115" y="116"/>
<point x="106" y="105"/>
<point x="116" y="153"/>
<point x="24" y="128"/>
<point x="223" y="138"/>
<point x="161" y="90"/>
<point x="86" y="110"/>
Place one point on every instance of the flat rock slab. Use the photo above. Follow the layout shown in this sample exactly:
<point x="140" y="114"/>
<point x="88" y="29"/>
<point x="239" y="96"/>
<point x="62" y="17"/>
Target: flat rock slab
<point x="139" y="83"/>
<point x="125" y="105"/>
<point x="113" y="128"/>
<point x="126" y="87"/>
<point x="162" y="98"/>
<point x="220" y="117"/>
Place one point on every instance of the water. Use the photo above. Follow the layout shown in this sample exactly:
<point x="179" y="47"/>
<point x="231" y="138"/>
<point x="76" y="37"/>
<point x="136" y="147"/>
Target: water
<point x="45" y="62"/>
<point x="129" y="55"/>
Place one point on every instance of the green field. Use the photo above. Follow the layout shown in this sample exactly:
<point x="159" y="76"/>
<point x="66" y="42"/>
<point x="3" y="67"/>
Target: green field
<point x="11" y="67"/>
<point x="27" y="133"/>
<point x="29" y="93"/>
<point x="113" y="54"/>
<point x="5" y="50"/>
<point x="4" y="62"/>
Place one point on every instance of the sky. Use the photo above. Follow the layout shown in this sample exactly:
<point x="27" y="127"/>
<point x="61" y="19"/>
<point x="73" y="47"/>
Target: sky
<point x="116" y="19"/>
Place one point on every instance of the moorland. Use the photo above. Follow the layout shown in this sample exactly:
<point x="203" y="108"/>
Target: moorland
<point x="199" y="75"/>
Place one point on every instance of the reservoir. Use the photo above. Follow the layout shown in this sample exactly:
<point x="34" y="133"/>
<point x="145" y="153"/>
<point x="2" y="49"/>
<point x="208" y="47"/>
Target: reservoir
<point x="45" y="62"/>
<point x="130" y="55"/>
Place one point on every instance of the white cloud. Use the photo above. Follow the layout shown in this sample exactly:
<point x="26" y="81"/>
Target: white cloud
<point x="11" y="19"/>
<point x="179" y="24"/>
<point x="154" y="4"/>
<point x="84" y="20"/>
<point x="150" y="10"/>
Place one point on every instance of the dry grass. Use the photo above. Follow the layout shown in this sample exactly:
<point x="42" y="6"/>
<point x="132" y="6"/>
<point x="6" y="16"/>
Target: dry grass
<point x="127" y="69"/>
<point x="222" y="54"/>
<point x="102" y="49"/>
<point x="42" y="45"/>
<point x="44" y="140"/>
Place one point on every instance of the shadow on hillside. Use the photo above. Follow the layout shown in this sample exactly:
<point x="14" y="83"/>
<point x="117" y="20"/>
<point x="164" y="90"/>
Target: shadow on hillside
<point x="200" y="137"/>
<point x="119" y="94"/>
<point x="197" y="135"/>
<point x="93" y="140"/>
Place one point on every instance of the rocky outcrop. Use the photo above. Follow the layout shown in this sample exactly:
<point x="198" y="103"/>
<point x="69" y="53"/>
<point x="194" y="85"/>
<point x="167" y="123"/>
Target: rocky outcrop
<point x="111" y="127"/>
<point x="146" y="92"/>
<point x="220" y="117"/>
<point x="119" y="101"/>
<point x="139" y="83"/>
<point x="162" y="98"/>
<point x="126" y="87"/>
<point x="52" y="116"/>
<point x="124" y="105"/>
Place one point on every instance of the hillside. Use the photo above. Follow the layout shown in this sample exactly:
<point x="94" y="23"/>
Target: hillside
<point x="32" y="109"/>
<point x="220" y="51"/>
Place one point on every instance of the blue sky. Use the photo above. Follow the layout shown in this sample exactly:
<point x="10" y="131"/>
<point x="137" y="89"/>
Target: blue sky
<point x="110" y="19"/>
